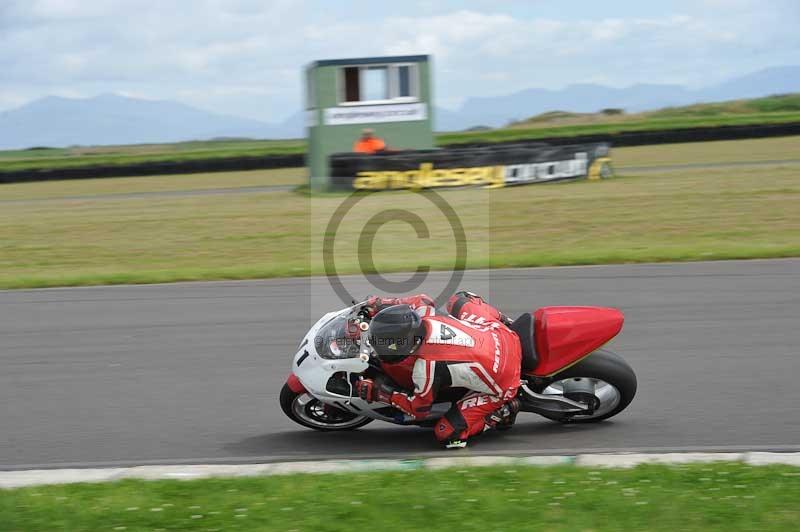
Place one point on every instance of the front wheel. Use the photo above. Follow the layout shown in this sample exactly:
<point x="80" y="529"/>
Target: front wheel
<point x="604" y="375"/>
<point x="304" y="409"/>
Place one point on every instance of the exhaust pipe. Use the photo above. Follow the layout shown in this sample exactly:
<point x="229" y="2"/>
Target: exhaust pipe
<point x="538" y="403"/>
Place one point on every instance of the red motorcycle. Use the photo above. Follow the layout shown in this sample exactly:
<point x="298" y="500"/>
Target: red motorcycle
<point x="566" y="375"/>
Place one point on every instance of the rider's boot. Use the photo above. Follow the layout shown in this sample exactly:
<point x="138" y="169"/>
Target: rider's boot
<point x="455" y="444"/>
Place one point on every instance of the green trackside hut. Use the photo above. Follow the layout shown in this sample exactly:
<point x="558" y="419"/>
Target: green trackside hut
<point x="391" y="95"/>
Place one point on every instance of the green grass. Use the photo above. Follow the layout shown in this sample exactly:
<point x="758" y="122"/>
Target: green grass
<point x="77" y="157"/>
<point x="160" y="183"/>
<point x="692" y="214"/>
<point x="716" y="152"/>
<point x="769" y="110"/>
<point x="784" y="103"/>
<point x="725" y="496"/>
<point x="770" y="104"/>
<point x="614" y="126"/>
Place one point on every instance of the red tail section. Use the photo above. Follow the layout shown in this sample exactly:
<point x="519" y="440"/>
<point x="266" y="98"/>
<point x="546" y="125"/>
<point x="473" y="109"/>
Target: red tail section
<point x="564" y="335"/>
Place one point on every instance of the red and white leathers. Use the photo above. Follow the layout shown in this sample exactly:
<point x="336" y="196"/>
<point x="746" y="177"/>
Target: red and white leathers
<point x="476" y="351"/>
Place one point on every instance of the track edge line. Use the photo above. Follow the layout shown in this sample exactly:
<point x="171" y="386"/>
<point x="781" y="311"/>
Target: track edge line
<point x="38" y="477"/>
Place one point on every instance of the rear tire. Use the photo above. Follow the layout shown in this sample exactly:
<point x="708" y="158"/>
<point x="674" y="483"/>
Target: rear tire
<point x="307" y="416"/>
<point x="603" y="365"/>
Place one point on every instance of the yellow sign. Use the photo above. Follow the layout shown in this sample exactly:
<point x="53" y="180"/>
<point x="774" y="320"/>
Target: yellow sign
<point x="596" y="170"/>
<point x="427" y="177"/>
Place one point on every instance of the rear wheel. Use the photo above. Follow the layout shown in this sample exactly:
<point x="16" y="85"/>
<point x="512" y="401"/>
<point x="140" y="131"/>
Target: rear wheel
<point x="604" y="379"/>
<point x="304" y="409"/>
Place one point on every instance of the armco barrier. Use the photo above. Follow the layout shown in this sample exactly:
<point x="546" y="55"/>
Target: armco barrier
<point x="228" y="164"/>
<point x="493" y="166"/>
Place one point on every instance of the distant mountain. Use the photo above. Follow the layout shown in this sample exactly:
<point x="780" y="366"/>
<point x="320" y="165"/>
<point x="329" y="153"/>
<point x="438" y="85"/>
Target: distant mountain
<point x="581" y="98"/>
<point x="584" y="98"/>
<point x="113" y="119"/>
<point x="775" y="80"/>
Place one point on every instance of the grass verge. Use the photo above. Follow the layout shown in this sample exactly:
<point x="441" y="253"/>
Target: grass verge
<point x="645" y="124"/>
<point x="692" y="214"/>
<point x="715" y="152"/>
<point x="54" y="158"/>
<point x="147" y="184"/>
<point x="768" y="110"/>
<point x="723" y="496"/>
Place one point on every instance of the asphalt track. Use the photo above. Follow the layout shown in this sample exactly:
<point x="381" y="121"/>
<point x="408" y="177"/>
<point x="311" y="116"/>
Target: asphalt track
<point x="190" y="373"/>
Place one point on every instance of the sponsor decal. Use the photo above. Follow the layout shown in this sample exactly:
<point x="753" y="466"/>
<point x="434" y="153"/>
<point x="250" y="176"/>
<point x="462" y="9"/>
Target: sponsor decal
<point x="479" y="401"/>
<point x="428" y="177"/>
<point x="520" y="174"/>
<point x="366" y="114"/>
<point x="489" y="176"/>
<point x="478" y="322"/>
<point x="496" y="365"/>
<point x="485" y="166"/>
<point x="442" y="333"/>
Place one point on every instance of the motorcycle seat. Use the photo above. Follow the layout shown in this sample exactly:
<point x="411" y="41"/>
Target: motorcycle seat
<point x="523" y="326"/>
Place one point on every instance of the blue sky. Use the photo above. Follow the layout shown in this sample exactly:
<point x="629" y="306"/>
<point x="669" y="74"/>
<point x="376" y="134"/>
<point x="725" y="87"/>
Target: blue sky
<point x="244" y="57"/>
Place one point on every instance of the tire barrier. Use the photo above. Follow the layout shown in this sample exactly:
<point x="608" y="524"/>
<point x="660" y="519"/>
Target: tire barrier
<point x="221" y="164"/>
<point x="229" y="164"/>
<point x="491" y="166"/>
<point x="665" y="136"/>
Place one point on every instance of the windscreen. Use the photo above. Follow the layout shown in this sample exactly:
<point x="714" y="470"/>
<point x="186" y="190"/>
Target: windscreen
<point x="338" y="339"/>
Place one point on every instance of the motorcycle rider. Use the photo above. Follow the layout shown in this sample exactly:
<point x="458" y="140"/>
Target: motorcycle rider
<point x="472" y="349"/>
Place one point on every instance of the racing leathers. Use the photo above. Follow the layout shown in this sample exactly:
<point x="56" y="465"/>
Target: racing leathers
<point x="472" y="349"/>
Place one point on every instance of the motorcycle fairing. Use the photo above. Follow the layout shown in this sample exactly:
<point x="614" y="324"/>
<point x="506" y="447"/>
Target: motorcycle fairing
<point x="294" y="384"/>
<point x="312" y="371"/>
<point x="565" y="335"/>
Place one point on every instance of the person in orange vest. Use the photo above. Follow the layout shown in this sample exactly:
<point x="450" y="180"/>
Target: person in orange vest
<point x="368" y="143"/>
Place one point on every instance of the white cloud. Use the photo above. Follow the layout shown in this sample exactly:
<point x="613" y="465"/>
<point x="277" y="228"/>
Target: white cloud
<point x="246" y="56"/>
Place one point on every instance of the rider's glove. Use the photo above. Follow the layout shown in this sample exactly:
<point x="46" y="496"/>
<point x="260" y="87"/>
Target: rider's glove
<point x="371" y="391"/>
<point x="375" y="304"/>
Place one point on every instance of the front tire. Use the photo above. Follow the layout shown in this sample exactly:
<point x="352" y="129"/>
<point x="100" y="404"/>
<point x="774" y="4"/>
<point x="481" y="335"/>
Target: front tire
<point x="603" y="366"/>
<point x="306" y="410"/>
